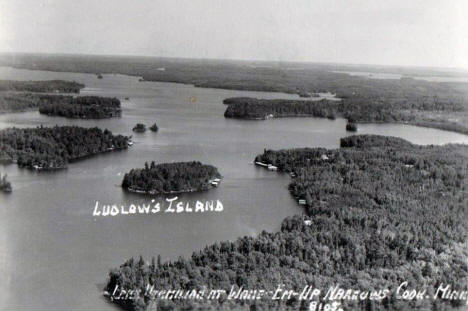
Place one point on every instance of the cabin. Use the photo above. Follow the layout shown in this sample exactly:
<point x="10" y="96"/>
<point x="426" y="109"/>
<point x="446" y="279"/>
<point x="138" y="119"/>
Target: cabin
<point x="302" y="202"/>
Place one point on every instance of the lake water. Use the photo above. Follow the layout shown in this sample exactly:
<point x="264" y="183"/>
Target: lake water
<point x="54" y="255"/>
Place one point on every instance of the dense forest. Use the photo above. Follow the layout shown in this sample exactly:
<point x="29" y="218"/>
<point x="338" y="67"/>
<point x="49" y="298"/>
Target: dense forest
<point x="5" y="185"/>
<point x="51" y="86"/>
<point x="171" y="178"/>
<point x="83" y="107"/>
<point x="355" y="110"/>
<point x="18" y="102"/>
<point x="380" y="211"/>
<point x="260" y="109"/>
<point x="53" y="147"/>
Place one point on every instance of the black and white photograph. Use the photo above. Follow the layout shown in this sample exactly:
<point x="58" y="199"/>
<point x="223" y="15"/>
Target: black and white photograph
<point x="253" y="155"/>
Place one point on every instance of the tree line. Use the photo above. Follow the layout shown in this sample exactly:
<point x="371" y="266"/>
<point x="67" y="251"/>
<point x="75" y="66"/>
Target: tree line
<point x="171" y="177"/>
<point x="51" y="86"/>
<point x="83" y="107"/>
<point x="54" y="147"/>
<point x="353" y="109"/>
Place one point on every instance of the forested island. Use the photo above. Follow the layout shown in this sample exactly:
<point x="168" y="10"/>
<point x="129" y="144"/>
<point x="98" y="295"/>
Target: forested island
<point x="50" y="86"/>
<point x="139" y="128"/>
<point x="354" y="110"/>
<point x="171" y="178"/>
<point x="5" y="185"/>
<point x="154" y="127"/>
<point x="82" y="107"/>
<point x="49" y="148"/>
<point x="380" y="211"/>
<point x="351" y="127"/>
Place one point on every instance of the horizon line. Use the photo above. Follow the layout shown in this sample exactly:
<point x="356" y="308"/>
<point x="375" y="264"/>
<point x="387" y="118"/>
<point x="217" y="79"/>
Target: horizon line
<point x="465" y="69"/>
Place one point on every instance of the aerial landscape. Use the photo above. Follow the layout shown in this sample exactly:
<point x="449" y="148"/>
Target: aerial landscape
<point x="231" y="181"/>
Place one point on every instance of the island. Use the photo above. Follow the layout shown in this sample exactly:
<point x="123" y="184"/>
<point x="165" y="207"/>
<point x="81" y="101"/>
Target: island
<point x="351" y="127"/>
<point x="139" y="128"/>
<point x="50" y="86"/>
<point x="154" y="128"/>
<point x="50" y="148"/>
<point x="379" y="211"/>
<point x="174" y="177"/>
<point x="5" y="185"/>
<point x="82" y="107"/>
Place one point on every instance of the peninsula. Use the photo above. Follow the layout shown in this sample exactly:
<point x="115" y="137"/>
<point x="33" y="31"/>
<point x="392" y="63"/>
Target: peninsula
<point x="423" y="111"/>
<point x="49" y="148"/>
<point x="17" y="96"/>
<point x="380" y="211"/>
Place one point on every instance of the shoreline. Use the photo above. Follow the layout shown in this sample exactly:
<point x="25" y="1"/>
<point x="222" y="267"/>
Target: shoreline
<point x="139" y="191"/>
<point x="448" y="127"/>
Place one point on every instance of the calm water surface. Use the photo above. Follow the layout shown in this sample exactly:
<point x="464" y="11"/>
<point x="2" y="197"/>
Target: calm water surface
<point x="54" y="255"/>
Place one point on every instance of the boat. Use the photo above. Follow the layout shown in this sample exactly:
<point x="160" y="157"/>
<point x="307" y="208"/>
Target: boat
<point x="302" y="202"/>
<point x="130" y="143"/>
<point x="214" y="183"/>
<point x="261" y="164"/>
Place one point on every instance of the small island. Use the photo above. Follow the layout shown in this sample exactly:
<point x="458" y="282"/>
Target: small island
<point x="351" y="127"/>
<point x="51" y="148"/>
<point x="5" y="185"/>
<point x="84" y="107"/>
<point x="168" y="178"/>
<point x="154" y="128"/>
<point x="139" y="128"/>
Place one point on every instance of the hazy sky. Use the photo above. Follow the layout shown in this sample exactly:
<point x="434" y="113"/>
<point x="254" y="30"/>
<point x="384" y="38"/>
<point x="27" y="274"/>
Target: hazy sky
<point x="398" y="32"/>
